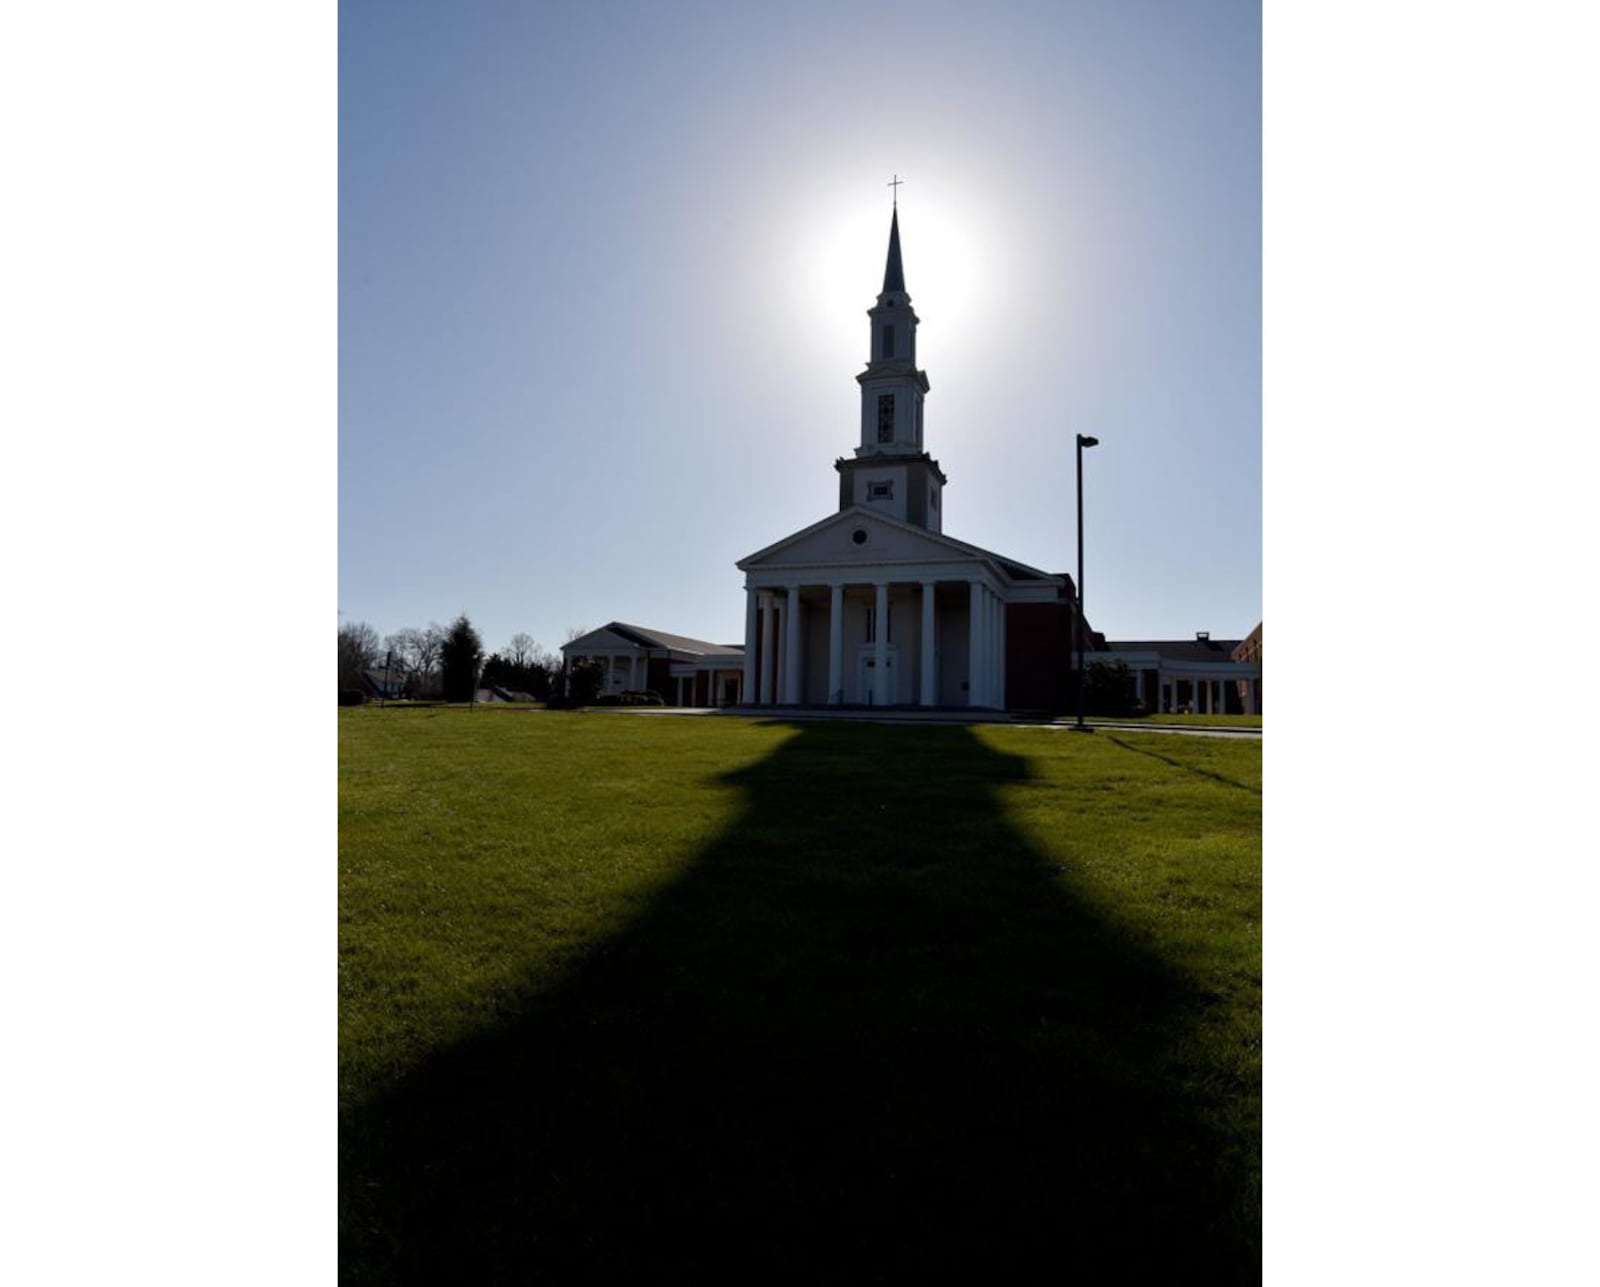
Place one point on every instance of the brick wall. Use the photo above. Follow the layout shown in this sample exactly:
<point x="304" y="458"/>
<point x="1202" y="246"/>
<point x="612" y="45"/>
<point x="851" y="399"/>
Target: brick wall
<point x="1039" y="656"/>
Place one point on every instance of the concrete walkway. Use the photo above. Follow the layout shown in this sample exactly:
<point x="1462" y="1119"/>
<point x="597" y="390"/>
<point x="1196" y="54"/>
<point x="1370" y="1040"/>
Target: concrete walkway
<point x="958" y="717"/>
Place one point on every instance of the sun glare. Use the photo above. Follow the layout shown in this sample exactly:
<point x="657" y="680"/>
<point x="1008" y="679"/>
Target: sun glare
<point x="954" y="254"/>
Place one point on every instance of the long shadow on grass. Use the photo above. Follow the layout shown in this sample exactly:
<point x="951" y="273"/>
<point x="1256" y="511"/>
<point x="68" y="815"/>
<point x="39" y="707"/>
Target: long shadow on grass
<point x="870" y="1037"/>
<point x="1187" y="768"/>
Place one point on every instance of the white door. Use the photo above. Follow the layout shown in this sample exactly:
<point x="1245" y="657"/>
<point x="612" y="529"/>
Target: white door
<point x="872" y="692"/>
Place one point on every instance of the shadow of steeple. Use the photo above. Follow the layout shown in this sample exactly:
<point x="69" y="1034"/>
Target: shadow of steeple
<point x="873" y="1035"/>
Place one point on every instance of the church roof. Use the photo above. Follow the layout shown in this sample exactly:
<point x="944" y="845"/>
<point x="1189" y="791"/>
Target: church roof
<point x="645" y="638"/>
<point x="894" y="276"/>
<point x="1179" y="649"/>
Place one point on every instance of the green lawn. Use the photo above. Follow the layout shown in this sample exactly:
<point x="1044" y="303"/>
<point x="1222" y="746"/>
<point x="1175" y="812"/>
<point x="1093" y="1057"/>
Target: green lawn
<point x="1197" y="721"/>
<point x="671" y="999"/>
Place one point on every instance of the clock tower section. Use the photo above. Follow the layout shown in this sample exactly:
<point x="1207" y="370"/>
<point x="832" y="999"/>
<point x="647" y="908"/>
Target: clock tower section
<point x="891" y="473"/>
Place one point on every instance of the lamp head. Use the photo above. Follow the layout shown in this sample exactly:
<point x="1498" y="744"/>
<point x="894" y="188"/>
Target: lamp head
<point x="1084" y="441"/>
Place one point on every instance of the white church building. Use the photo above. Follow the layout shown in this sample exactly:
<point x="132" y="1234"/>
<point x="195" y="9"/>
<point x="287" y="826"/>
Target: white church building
<point x="875" y="605"/>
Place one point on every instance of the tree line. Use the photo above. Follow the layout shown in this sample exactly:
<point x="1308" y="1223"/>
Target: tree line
<point x="447" y="663"/>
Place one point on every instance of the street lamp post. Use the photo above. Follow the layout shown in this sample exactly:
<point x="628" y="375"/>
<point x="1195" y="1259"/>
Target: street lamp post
<point x="1083" y="441"/>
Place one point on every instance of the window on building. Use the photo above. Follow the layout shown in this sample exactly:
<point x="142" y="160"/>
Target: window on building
<point x="880" y="491"/>
<point x="886" y="342"/>
<point x="933" y="498"/>
<point x="886" y="417"/>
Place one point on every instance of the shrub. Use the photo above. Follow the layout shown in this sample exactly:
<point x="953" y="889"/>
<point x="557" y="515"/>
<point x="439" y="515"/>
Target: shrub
<point x="630" y="699"/>
<point x="1108" y="689"/>
<point x="584" y="679"/>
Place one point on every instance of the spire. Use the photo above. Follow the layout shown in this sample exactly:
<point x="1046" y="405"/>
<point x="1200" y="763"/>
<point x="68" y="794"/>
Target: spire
<point x="894" y="277"/>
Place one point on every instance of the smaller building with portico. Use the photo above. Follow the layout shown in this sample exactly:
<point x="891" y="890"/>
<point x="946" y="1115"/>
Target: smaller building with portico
<point x="1200" y="675"/>
<point x="680" y="670"/>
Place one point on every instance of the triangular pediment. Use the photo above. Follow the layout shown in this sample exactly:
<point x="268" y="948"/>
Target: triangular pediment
<point x="857" y="537"/>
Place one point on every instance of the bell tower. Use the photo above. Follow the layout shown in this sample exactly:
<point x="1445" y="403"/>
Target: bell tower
<point x="891" y="472"/>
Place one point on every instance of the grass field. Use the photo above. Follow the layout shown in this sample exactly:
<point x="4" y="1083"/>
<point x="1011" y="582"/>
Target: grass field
<point x="1194" y="721"/>
<point x="670" y="1000"/>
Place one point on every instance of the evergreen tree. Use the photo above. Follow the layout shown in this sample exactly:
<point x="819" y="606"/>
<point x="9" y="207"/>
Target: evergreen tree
<point x="461" y="658"/>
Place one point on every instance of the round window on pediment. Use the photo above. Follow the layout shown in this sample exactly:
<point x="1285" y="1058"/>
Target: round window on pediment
<point x="859" y="536"/>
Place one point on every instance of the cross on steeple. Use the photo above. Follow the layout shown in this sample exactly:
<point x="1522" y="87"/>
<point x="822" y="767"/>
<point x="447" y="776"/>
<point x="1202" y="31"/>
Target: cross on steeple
<point x="895" y="184"/>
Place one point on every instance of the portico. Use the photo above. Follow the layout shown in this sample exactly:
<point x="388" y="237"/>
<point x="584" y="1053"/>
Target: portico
<point x="875" y="641"/>
<point x="1197" y="676"/>
<point x="865" y="610"/>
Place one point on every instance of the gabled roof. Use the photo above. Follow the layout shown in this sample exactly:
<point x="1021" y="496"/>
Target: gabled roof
<point x="1180" y="649"/>
<point x="385" y="683"/>
<point x="1012" y="568"/>
<point x="641" y="637"/>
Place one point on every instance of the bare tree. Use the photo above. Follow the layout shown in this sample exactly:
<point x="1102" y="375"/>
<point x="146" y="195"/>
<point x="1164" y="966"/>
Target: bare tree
<point x="521" y="650"/>
<point x="398" y="646"/>
<point x="358" y="648"/>
<point x="429" y="647"/>
<point x="576" y="632"/>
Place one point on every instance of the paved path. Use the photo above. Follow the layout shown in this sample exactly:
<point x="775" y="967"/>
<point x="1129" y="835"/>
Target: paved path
<point x="937" y="717"/>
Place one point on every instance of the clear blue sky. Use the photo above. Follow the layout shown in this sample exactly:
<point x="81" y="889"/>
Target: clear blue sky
<point x="604" y="269"/>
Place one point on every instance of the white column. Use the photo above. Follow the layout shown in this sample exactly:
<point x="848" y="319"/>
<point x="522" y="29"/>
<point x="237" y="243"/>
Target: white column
<point x="975" y="645"/>
<point x="994" y="649"/>
<point x="983" y="645"/>
<point x="881" y="696"/>
<point x="1138" y="684"/>
<point x="986" y="650"/>
<point x="836" y="644"/>
<point x="1249" y="697"/>
<point x="1000" y="653"/>
<point x="930" y="681"/>
<point x="792" y="669"/>
<point x="765" y="697"/>
<point x="749" y="645"/>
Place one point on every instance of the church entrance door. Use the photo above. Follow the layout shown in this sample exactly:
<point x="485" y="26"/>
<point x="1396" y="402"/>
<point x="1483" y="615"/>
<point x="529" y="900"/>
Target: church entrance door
<point x="873" y="693"/>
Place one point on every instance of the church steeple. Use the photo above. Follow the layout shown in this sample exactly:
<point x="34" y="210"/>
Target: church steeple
<point x="892" y="471"/>
<point x="891" y="386"/>
<point x="894" y="276"/>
